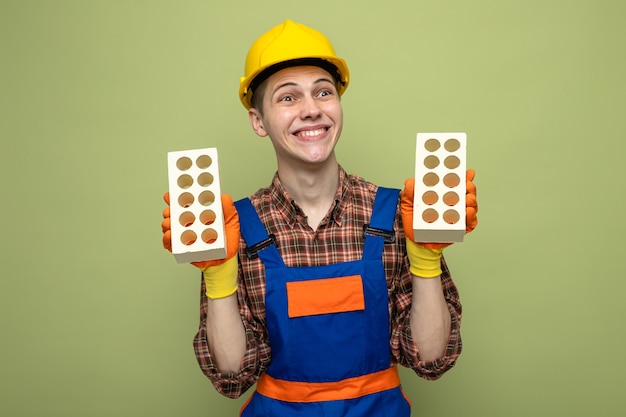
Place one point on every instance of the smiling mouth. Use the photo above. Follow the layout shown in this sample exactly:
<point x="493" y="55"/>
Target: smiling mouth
<point x="311" y="133"/>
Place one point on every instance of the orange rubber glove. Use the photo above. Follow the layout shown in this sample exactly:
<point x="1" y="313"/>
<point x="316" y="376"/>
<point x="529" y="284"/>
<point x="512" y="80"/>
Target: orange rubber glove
<point x="425" y="257"/>
<point x="220" y="275"/>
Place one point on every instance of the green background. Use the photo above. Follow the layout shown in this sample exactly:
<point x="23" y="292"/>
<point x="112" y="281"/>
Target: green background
<point x="97" y="319"/>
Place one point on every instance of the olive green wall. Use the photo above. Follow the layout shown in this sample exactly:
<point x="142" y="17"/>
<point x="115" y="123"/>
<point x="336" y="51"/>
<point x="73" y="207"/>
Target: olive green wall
<point x="97" y="319"/>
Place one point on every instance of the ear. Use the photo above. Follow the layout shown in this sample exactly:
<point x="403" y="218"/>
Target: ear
<point x="256" y="121"/>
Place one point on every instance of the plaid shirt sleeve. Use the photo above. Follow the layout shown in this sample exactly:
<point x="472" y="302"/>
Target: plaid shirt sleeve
<point x="403" y="348"/>
<point x="338" y="239"/>
<point x="251" y="295"/>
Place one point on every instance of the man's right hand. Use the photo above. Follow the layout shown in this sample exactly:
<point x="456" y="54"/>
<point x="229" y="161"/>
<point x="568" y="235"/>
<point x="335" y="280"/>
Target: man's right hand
<point x="220" y="275"/>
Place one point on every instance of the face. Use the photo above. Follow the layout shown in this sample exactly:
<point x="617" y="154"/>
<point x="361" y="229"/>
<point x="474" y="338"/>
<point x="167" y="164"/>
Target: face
<point x="302" y="116"/>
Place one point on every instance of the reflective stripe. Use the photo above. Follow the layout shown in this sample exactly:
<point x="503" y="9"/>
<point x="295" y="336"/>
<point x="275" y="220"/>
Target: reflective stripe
<point x="307" y="392"/>
<point x="324" y="296"/>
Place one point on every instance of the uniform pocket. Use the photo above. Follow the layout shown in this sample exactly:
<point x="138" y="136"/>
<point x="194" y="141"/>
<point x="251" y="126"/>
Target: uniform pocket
<point x="324" y="296"/>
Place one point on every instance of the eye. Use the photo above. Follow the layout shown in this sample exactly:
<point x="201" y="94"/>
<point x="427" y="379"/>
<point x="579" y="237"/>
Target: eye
<point x="324" y="93"/>
<point x="286" y="98"/>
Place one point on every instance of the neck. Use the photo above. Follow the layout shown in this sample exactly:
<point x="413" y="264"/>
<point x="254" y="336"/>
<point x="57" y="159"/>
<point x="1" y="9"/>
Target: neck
<point x="313" y="189"/>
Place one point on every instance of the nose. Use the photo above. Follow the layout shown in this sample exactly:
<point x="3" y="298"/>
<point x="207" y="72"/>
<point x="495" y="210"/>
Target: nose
<point x="310" y="108"/>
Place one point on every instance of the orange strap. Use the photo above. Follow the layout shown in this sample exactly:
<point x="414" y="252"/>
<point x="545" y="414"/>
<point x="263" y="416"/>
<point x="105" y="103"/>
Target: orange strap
<point x="306" y="392"/>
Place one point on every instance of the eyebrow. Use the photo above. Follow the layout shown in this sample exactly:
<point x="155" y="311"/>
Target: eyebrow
<point x="291" y="83"/>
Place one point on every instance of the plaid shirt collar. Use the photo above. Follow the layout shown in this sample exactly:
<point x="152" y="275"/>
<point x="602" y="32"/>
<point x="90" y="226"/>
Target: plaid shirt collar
<point x="291" y="211"/>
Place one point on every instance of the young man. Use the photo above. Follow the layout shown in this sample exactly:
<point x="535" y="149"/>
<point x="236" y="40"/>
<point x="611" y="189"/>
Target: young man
<point x="324" y="290"/>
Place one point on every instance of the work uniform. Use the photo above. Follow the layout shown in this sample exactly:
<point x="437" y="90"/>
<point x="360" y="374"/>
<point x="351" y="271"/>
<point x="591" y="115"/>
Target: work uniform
<point x="328" y="327"/>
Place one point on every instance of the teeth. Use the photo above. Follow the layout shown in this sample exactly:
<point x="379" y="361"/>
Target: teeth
<point x="311" y="133"/>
